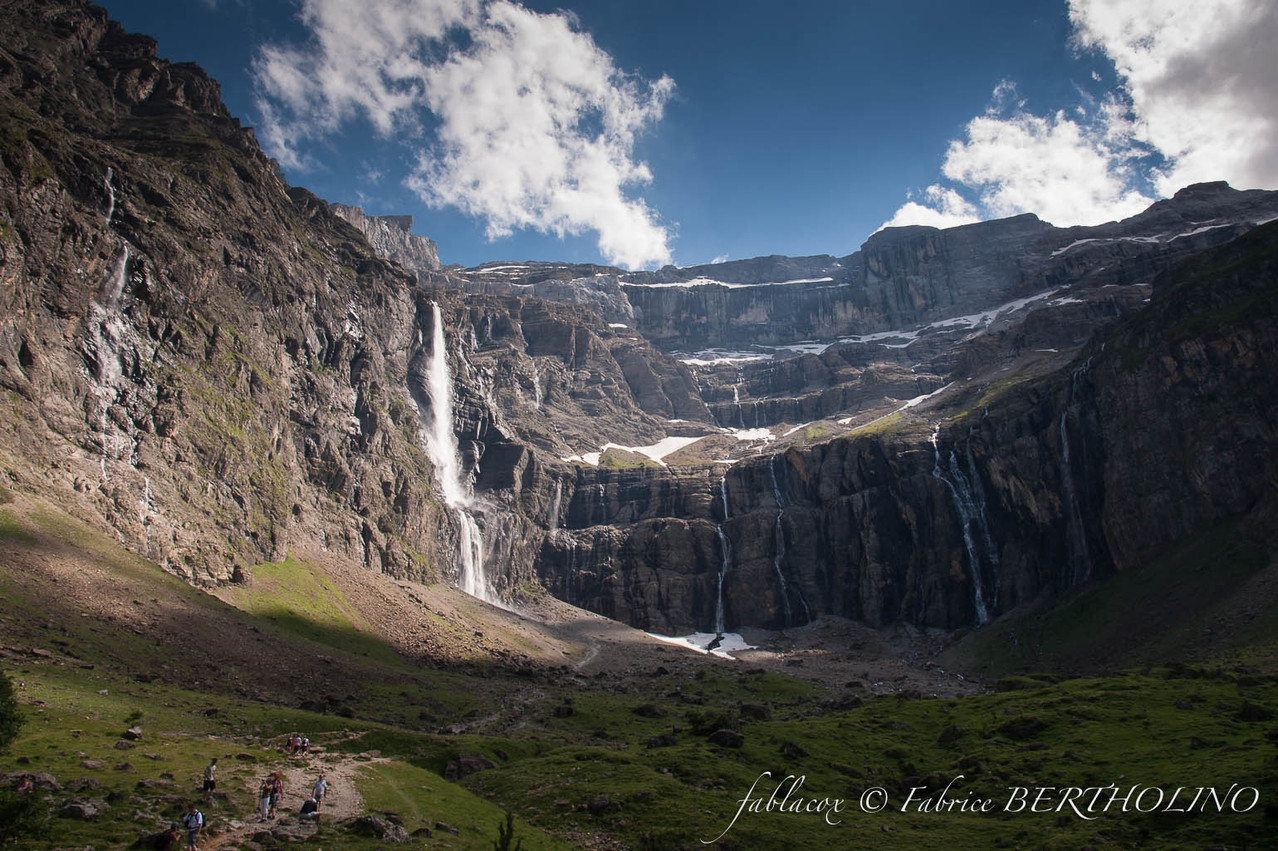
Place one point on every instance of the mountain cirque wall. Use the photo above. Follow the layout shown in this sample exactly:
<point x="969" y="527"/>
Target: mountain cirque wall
<point x="1162" y="427"/>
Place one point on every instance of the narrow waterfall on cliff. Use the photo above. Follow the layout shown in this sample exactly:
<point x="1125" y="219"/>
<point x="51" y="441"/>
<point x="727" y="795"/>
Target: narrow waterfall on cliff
<point x="1080" y="558"/>
<point x="553" y="520"/>
<point x="441" y="443"/>
<point x="779" y="553"/>
<point x="115" y="289"/>
<point x="107" y="331"/>
<point x="110" y="188"/>
<point x="971" y="514"/>
<point x="726" y="555"/>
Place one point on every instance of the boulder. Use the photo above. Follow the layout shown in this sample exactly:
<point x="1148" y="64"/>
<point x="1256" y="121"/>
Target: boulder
<point x="379" y="828"/>
<point x="727" y="738"/>
<point x="86" y="809"/>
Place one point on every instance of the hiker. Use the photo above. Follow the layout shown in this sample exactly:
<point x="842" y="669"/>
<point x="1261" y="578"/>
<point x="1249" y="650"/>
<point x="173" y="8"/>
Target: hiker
<point x="319" y="790"/>
<point x="193" y="821"/>
<point x="210" y="777"/>
<point x="277" y="792"/>
<point x="310" y="810"/>
<point x="165" y="840"/>
<point x="264" y="798"/>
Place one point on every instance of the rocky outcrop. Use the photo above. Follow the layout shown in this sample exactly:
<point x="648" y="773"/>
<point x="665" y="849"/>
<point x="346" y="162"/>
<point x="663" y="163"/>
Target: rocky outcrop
<point x="1185" y="394"/>
<point x="592" y="287"/>
<point x="392" y="237"/>
<point x="219" y="369"/>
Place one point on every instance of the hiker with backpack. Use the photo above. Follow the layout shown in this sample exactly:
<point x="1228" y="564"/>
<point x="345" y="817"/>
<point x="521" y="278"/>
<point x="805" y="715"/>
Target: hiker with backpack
<point x="193" y="821"/>
<point x="277" y="792"/>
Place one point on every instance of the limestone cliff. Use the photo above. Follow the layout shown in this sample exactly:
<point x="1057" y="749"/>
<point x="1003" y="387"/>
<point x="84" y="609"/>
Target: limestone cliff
<point x="392" y="237"/>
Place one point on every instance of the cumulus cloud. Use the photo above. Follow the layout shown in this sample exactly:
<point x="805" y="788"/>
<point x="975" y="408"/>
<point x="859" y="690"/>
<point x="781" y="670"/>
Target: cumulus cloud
<point x="1197" y="101"/>
<point x="1203" y="81"/>
<point x="941" y="208"/>
<point x="530" y="124"/>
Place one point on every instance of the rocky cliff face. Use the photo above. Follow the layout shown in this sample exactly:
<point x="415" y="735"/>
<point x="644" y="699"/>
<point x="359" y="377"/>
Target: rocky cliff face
<point x="392" y="237"/>
<point x="1023" y="490"/>
<point x="903" y="278"/>
<point x="196" y="356"/>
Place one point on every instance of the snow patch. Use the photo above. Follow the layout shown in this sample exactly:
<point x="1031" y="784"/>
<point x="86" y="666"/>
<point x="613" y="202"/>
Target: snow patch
<point x="910" y="403"/>
<point x="656" y="451"/>
<point x="711" y="282"/>
<point x="715" y="357"/>
<point x="730" y="642"/>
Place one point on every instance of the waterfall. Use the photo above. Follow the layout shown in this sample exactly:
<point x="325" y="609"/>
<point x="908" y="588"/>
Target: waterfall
<point x="441" y="444"/>
<point x="779" y="552"/>
<point x="978" y="501"/>
<point x="726" y="555"/>
<point x="107" y="331"/>
<point x="553" y="521"/>
<point x="110" y="174"/>
<point x="1075" y="537"/>
<point x="118" y="281"/>
<point x="571" y="583"/>
<point x="971" y="511"/>
<point x="147" y="506"/>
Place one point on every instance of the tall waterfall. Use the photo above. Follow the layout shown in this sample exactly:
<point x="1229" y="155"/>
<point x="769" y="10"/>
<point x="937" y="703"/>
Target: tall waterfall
<point x="726" y="555"/>
<point x="110" y="188"/>
<point x="779" y="552"/>
<point x="1080" y="558"/>
<point x="969" y="502"/>
<point x="441" y="443"/>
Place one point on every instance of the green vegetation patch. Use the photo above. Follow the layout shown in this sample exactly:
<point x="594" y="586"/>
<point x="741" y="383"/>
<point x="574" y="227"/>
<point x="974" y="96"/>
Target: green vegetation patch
<point x="300" y="599"/>
<point x="421" y="798"/>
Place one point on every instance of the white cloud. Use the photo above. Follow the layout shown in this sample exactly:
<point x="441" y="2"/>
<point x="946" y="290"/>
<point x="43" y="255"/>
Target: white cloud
<point x="944" y="208"/>
<point x="1203" y="82"/>
<point x="1198" y="91"/>
<point x="1062" y="170"/>
<point x="535" y="126"/>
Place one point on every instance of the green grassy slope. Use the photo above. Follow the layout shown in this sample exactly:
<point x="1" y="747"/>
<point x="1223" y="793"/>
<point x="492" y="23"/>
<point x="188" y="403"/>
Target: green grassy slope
<point x="604" y="762"/>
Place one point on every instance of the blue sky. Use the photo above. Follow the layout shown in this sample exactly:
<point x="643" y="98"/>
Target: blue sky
<point x="640" y="133"/>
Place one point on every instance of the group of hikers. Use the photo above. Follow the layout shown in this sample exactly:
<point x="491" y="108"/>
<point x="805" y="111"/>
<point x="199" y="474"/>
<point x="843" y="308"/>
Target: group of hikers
<point x="270" y="791"/>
